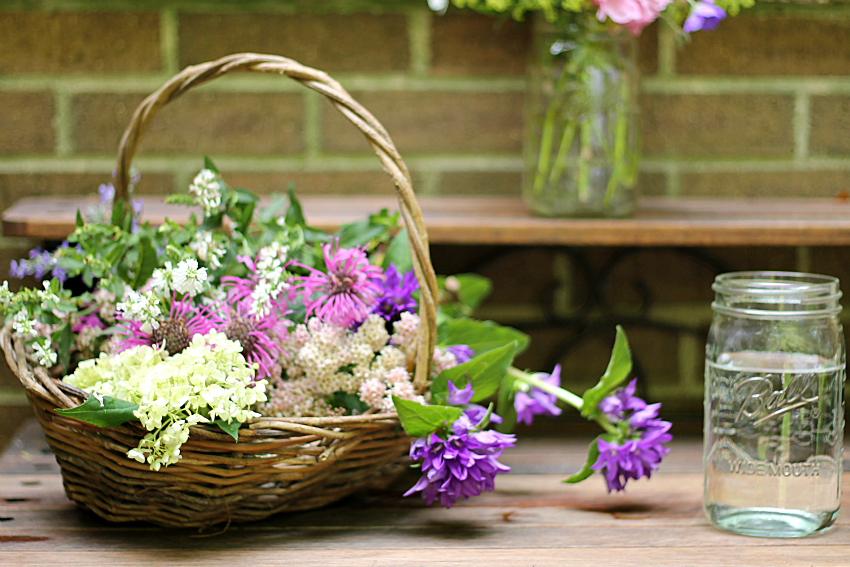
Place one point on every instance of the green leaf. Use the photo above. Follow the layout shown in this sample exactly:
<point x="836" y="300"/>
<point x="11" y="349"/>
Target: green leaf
<point x="348" y="401"/>
<point x="398" y="253"/>
<point x="473" y="289"/>
<point x="358" y="233"/>
<point x="268" y="214"/>
<point x="231" y="428"/>
<point x="118" y="213"/>
<point x="420" y="420"/>
<point x="64" y="341"/>
<point x="586" y="471"/>
<point x="485" y="372"/>
<point x="213" y="222"/>
<point x="245" y="196"/>
<point x="146" y="263"/>
<point x="246" y="218"/>
<point x="294" y="213"/>
<point x="480" y="336"/>
<point x="505" y="405"/>
<point x="115" y="253"/>
<point x="208" y="164"/>
<point x="618" y="370"/>
<point x="103" y="412"/>
<point x="80" y="222"/>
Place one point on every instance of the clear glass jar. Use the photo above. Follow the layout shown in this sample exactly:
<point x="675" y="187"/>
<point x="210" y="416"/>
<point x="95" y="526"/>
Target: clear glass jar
<point x="581" y="145"/>
<point x="774" y="407"/>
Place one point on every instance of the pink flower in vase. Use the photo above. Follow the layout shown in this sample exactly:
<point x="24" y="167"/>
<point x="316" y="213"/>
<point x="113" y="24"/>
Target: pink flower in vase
<point x="634" y="14"/>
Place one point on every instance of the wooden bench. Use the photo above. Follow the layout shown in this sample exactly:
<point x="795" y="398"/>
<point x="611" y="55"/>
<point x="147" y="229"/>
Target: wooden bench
<point x="505" y="221"/>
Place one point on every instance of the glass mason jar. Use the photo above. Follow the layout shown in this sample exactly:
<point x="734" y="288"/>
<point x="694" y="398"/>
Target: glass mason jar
<point x="774" y="413"/>
<point x="581" y="146"/>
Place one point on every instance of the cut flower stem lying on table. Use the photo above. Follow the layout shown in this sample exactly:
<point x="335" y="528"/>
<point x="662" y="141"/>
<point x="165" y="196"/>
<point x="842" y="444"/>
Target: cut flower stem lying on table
<point x="243" y="314"/>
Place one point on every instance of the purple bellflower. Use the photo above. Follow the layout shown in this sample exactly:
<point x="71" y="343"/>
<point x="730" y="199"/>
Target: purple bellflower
<point x="704" y="16"/>
<point x="639" y="447"/>
<point x="536" y="401"/>
<point x="396" y="294"/>
<point x="462" y="353"/>
<point x="463" y="464"/>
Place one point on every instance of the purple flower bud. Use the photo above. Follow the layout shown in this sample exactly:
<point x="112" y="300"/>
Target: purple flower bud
<point x="459" y="397"/>
<point x="536" y="401"/>
<point x="106" y="192"/>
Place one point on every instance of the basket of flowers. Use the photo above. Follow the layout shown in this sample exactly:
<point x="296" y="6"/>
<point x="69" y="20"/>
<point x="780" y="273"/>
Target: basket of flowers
<point x="243" y="364"/>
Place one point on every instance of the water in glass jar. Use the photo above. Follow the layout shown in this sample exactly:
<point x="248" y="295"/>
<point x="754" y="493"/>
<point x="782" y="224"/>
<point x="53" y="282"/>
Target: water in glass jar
<point x="773" y="435"/>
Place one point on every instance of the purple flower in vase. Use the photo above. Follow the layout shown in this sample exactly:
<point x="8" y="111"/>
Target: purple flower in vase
<point x="704" y="16"/>
<point x="638" y="452"/>
<point x="345" y="293"/>
<point x="397" y="294"/>
<point x="463" y="464"/>
<point x="536" y="401"/>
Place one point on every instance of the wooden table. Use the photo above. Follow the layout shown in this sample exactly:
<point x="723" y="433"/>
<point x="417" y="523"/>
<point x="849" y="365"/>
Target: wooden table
<point x="532" y="519"/>
<point x="506" y="221"/>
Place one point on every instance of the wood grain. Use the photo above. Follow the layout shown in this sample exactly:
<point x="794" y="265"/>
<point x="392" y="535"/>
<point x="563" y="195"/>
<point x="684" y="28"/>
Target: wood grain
<point x="531" y="519"/>
<point x="491" y="220"/>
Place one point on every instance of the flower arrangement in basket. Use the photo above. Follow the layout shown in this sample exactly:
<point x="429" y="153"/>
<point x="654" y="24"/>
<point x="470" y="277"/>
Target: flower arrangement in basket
<point x="243" y="363"/>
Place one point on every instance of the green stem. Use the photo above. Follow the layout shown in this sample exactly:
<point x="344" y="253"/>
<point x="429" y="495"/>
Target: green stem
<point x="620" y="134"/>
<point x="563" y="150"/>
<point x="546" y="137"/>
<point x="584" y="157"/>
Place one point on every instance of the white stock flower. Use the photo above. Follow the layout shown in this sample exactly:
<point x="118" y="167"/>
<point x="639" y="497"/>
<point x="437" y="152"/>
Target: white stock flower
<point x="44" y="354"/>
<point x="188" y="278"/>
<point x="5" y="294"/>
<point x="141" y="307"/>
<point x="23" y="325"/>
<point x="206" y="187"/>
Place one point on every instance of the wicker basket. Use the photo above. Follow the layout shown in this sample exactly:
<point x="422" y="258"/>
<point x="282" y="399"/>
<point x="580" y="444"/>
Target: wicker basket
<point x="278" y="464"/>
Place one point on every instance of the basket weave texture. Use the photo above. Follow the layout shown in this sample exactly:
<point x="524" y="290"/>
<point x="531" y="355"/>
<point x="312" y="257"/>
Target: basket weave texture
<point x="278" y="464"/>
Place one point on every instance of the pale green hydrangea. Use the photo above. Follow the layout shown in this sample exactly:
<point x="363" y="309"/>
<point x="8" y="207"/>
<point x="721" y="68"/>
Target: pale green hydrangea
<point x="209" y="380"/>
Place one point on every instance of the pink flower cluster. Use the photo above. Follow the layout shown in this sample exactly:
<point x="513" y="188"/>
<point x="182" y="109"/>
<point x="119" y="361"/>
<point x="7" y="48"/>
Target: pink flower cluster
<point x="634" y="14"/>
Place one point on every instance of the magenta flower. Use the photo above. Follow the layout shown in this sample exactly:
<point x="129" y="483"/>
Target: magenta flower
<point x="345" y="293"/>
<point x="397" y="294"/>
<point x="259" y="336"/>
<point x="536" y="401"/>
<point x="174" y="333"/>
<point x="704" y="16"/>
<point x="637" y="451"/>
<point x="462" y="465"/>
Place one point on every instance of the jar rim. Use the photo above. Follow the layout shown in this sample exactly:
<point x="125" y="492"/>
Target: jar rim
<point x="778" y="283"/>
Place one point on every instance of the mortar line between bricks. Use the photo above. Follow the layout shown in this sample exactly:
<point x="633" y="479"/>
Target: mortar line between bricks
<point x="169" y="41"/>
<point x="745" y="85"/>
<point x="419" y="41"/>
<point x="62" y="125"/>
<point x="321" y="163"/>
<point x="802" y="125"/>
<point x="260" y="84"/>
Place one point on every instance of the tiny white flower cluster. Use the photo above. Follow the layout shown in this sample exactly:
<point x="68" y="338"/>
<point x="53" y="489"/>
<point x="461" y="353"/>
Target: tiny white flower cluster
<point x="188" y="278"/>
<point x="5" y="295"/>
<point x="46" y="296"/>
<point x="141" y="307"/>
<point x="207" y="189"/>
<point x="272" y="278"/>
<point x="209" y="380"/>
<point x="44" y="354"/>
<point x="203" y="244"/>
<point x="23" y="325"/>
<point x="323" y="358"/>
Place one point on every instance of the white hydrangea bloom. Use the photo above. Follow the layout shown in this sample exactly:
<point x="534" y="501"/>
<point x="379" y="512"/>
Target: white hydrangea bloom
<point x="188" y="278"/>
<point x="207" y="189"/>
<point x="209" y="380"/>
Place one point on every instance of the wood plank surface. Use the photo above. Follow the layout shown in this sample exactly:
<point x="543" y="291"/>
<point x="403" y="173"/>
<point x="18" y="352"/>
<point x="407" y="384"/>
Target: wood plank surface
<point x="532" y="519"/>
<point x="497" y="220"/>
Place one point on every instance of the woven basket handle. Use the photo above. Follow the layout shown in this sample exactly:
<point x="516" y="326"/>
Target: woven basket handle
<point x="375" y="133"/>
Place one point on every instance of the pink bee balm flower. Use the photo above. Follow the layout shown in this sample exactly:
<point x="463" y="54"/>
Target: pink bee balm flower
<point x="174" y="333"/>
<point x="344" y="294"/>
<point x="259" y="336"/>
<point x="634" y="14"/>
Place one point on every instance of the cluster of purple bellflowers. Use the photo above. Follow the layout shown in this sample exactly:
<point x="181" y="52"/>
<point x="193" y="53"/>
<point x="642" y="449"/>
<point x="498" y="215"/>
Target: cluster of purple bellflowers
<point x="463" y="462"/>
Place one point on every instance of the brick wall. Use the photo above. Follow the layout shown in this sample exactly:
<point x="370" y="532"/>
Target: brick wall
<point x="759" y="107"/>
